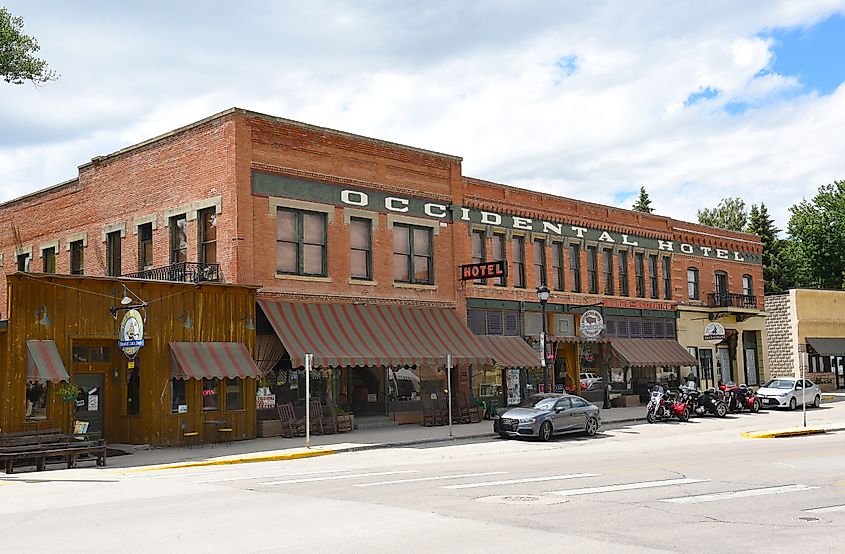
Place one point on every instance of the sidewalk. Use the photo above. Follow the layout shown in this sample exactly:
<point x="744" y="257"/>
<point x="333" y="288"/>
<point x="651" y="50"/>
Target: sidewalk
<point x="278" y="448"/>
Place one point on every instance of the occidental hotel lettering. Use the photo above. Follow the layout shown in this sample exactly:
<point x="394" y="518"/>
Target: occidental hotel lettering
<point x="300" y="189"/>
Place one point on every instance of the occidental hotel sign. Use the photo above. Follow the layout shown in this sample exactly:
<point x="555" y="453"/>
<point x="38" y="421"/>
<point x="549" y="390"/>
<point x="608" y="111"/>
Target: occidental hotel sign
<point x="269" y="184"/>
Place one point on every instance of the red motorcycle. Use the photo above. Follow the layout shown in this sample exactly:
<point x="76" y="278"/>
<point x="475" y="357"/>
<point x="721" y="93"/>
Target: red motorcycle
<point x="663" y="405"/>
<point x="740" y="397"/>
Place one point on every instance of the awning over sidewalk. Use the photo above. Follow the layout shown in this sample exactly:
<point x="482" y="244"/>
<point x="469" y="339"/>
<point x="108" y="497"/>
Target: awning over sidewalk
<point x="651" y="353"/>
<point x="510" y="351"/>
<point x="827" y="346"/>
<point x="198" y="360"/>
<point x="44" y="363"/>
<point x="342" y="335"/>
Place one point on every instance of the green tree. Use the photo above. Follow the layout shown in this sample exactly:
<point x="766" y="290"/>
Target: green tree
<point x="817" y="229"/>
<point x="730" y="214"/>
<point x="779" y="271"/>
<point x="18" y="63"/>
<point x="643" y="203"/>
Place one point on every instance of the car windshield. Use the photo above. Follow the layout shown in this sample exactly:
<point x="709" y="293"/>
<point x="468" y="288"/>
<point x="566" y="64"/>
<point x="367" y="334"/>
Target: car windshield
<point x="779" y="384"/>
<point x="538" y="402"/>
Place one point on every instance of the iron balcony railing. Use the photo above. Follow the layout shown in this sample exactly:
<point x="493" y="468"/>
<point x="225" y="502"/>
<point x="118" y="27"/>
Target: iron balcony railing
<point x="183" y="272"/>
<point x="731" y="300"/>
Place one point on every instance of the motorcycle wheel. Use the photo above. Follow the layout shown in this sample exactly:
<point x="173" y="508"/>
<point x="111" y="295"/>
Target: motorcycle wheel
<point x="683" y="416"/>
<point x="755" y="407"/>
<point x="721" y="409"/>
<point x="649" y="416"/>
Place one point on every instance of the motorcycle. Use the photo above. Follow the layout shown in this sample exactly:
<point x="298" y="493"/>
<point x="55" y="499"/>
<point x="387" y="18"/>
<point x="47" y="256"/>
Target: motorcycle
<point x="663" y="406"/>
<point x="701" y="403"/>
<point x="740" y="397"/>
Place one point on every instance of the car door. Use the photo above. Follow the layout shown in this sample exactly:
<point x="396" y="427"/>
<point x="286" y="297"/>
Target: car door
<point x="580" y="409"/>
<point x="563" y="415"/>
<point x="812" y="391"/>
<point x="798" y="391"/>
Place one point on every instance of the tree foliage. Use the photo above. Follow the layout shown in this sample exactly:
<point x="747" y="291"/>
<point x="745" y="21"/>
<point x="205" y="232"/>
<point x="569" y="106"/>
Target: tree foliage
<point x="730" y="214"/>
<point x="18" y="63"/>
<point x="643" y="203"/>
<point x="779" y="271"/>
<point x="817" y="230"/>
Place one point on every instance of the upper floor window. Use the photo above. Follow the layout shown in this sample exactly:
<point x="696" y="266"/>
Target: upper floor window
<point x="539" y="263"/>
<point x="607" y="269"/>
<point x="722" y="284"/>
<point x="412" y="254"/>
<point x="207" y="236"/>
<point x="77" y="262"/>
<point x="145" y="246"/>
<point x="479" y="251"/>
<point x="623" y="273"/>
<point x="747" y="288"/>
<point x="592" y="270"/>
<point x="518" y="251"/>
<point x="667" y="277"/>
<point x="499" y="256"/>
<point x="300" y="242"/>
<point x="652" y="275"/>
<point x="178" y="239"/>
<point x="557" y="266"/>
<point x="575" y="267"/>
<point x="360" y="241"/>
<point x="49" y="257"/>
<point x="113" y="254"/>
<point x="693" y="290"/>
<point x="639" y="273"/>
<point x="23" y="262"/>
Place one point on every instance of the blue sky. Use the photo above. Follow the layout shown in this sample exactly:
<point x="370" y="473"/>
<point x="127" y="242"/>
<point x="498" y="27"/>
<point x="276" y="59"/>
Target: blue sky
<point x="694" y="101"/>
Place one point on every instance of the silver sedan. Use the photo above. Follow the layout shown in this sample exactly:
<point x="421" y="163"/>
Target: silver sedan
<point x="545" y="415"/>
<point x="789" y="392"/>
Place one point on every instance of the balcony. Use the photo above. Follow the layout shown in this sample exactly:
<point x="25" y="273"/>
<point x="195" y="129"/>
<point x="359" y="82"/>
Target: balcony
<point x="183" y="272"/>
<point x="731" y="300"/>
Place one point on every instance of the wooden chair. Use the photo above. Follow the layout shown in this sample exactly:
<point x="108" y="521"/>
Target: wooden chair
<point x="442" y="413"/>
<point x="316" y="411"/>
<point x="330" y="425"/>
<point x="292" y="426"/>
<point x="429" y="410"/>
<point x="472" y="410"/>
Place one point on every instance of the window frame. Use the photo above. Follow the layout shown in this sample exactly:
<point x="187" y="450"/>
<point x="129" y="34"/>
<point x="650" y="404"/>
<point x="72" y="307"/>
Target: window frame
<point x="666" y="271"/>
<point x="176" y="249"/>
<point x="174" y="407"/>
<point x="145" y="247"/>
<point x="48" y="257"/>
<point x="720" y="276"/>
<point x="204" y="244"/>
<point x="499" y="239"/>
<point x="694" y="285"/>
<point x="412" y="255"/>
<point x="539" y="246"/>
<point x="368" y="251"/>
<point x="113" y="254"/>
<point x="558" y="268"/>
<point x="239" y="392"/>
<point x="215" y="394"/>
<point x="299" y="242"/>
<point x="478" y="255"/>
<point x="653" y="277"/>
<point x="24" y="261"/>
<point x="747" y="285"/>
<point x="575" y="266"/>
<point x="77" y="257"/>
<point x="45" y="394"/>
<point x="622" y="261"/>
<point x="607" y="270"/>
<point x="592" y="270"/>
<point x="518" y="247"/>
<point x="639" y="274"/>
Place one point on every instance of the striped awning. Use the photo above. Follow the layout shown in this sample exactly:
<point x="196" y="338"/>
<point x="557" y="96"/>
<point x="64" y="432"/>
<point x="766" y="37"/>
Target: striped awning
<point x="346" y="335"/>
<point x="44" y="363"/>
<point x="199" y="360"/>
<point x="511" y="352"/>
<point x="651" y="353"/>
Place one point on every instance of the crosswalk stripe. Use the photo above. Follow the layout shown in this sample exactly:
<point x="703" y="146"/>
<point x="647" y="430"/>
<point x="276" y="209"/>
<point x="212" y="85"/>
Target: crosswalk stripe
<point x="826" y="509"/>
<point x="337" y="477"/>
<point x="627" y="487"/>
<point x="518" y="481"/>
<point x="435" y="478"/>
<point x="714" y="497"/>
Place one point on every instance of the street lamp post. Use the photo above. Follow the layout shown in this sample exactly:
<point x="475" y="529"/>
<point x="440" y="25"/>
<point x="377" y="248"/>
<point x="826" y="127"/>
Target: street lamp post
<point x="543" y="295"/>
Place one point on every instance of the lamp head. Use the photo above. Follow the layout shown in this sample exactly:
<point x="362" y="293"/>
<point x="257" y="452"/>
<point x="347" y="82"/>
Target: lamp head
<point x="543" y="293"/>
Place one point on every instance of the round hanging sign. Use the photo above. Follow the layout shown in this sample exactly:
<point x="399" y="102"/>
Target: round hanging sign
<point x="591" y="324"/>
<point x="714" y="332"/>
<point x="130" y="337"/>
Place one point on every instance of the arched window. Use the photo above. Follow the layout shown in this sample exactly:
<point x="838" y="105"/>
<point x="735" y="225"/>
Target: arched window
<point x="693" y="290"/>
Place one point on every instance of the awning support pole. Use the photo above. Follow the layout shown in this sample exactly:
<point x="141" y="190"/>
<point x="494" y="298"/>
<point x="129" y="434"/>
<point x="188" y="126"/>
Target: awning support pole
<point x="449" y="388"/>
<point x="309" y="359"/>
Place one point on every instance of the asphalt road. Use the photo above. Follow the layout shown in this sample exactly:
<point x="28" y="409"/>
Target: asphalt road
<point x="693" y="487"/>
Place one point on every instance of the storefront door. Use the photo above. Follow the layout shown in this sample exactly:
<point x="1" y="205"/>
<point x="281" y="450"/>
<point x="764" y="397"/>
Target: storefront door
<point x="367" y="390"/>
<point x="723" y="356"/>
<point x="838" y="368"/>
<point x="90" y="404"/>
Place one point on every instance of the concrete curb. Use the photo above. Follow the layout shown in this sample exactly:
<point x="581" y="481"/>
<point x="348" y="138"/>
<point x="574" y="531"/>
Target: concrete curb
<point x="783" y="433"/>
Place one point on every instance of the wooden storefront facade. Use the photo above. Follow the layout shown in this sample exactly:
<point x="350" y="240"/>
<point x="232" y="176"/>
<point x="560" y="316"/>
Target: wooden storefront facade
<point x="134" y="405"/>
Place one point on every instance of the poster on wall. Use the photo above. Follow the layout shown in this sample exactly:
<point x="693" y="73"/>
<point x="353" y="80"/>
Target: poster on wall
<point x="512" y="383"/>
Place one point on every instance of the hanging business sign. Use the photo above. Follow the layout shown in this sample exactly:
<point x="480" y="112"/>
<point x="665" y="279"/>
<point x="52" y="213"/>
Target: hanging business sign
<point x="591" y="324"/>
<point x="130" y="336"/>
<point x="484" y="270"/>
<point x="714" y="332"/>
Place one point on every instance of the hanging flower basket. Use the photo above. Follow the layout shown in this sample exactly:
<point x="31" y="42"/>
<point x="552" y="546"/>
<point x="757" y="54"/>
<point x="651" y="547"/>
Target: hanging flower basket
<point x="67" y="391"/>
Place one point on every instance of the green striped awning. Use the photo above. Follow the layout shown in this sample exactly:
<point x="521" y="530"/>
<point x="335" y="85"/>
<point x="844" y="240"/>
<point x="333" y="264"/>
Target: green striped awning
<point x="204" y="360"/>
<point x="651" y="353"/>
<point x="44" y="363"/>
<point x="511" y="352"/>
<point x="346" y="335"/>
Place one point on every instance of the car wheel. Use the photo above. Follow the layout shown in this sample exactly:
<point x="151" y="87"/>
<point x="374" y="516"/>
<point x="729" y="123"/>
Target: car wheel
<point x="792" y="403"/>
<point x="592" y="426"/>
<point x="545" y="431"/>
<point x="721" y="409"/>
<point x="504" y="435"/>
<point x="817" y="401"/>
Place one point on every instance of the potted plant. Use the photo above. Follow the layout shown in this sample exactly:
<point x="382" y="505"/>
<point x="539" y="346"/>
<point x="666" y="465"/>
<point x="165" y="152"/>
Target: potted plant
<point x="67" y="391"/>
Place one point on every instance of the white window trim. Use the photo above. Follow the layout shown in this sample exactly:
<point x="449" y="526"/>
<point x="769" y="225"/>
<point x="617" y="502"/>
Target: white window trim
<point x="349" y="213"/>
<point x="112" y="227"/>
<point x="76" y="237"/>
<point x="275" y="203"/>
<point x="143" y="220"/>
<point x="409" y="220"/>
<point x="190" y="209"/>
<point x="45" y="245"/>
<point x="23" y="250"/>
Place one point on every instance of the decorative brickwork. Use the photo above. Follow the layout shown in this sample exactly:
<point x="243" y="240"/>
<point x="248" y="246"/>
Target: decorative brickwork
<point x="779" y="331"/>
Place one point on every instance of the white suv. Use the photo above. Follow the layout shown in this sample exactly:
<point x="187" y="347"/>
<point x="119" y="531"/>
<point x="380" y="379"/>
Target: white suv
<point x="590" y="380"/>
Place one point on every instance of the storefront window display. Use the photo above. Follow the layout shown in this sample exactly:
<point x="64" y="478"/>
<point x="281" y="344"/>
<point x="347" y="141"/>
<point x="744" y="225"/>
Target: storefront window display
<point x="178" y="396"/>
<point x="233" y="394"/>
<point x="210" y="394"/>
<point x="403" y="384"/>
<point x="36" y="401"/>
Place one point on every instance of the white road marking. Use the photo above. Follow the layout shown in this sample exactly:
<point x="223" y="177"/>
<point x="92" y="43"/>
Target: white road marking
<point x="826" y="509"/>
<point x="518" y="481"/>
<point x="271" y="476"/>
<point x="627" y="486"/>
<point x="715" y="497"/>
<point x="439" y="477"/>
<point x="336" y="477"/>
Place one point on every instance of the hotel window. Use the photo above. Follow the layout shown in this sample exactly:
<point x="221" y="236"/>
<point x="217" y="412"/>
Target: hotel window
<point x="49" y="257"/>
<point x="233" y="394"/>
<point x="557" y="266"/>
<point x="721" y="287"/>
<point x="178" y="239"/>
<point x="652" y="276"/>
<point x="113" y="253"/>
<point x="499" y="256"/>
<point x="178" y="395"/>
<point x="145" y="246"/>
<point x="207" y="229"/>
<point x="539" y="263"/>
<point x="23" y="262"/>
<point x="300" y="242"/>
<point x="360" y="241"/>
<point x="412" y="255"/>
<point x="518" y="251"/>
<point x="133" y="391"/>
<point x="639" y="273"/>
<point x="667" y="277"/>
<point x="575" y="267"/>
<point x="37" y="394"/>
<point x="747" y="288"/>
<point x="623" y="273"/>
<point x="607" y="268"/>
<point x="76" y="258"/>
<point x="592" y="271"/>
<point x="692" y="283"/>
<point x="210" y="394"/>
<point x="479" y="251"/>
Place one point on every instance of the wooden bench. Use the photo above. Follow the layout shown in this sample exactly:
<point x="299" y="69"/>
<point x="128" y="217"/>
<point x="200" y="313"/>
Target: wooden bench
<point x="39" y="447"/>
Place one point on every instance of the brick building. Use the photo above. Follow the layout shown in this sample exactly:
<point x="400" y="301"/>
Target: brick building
<point x="327" y="218"/>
